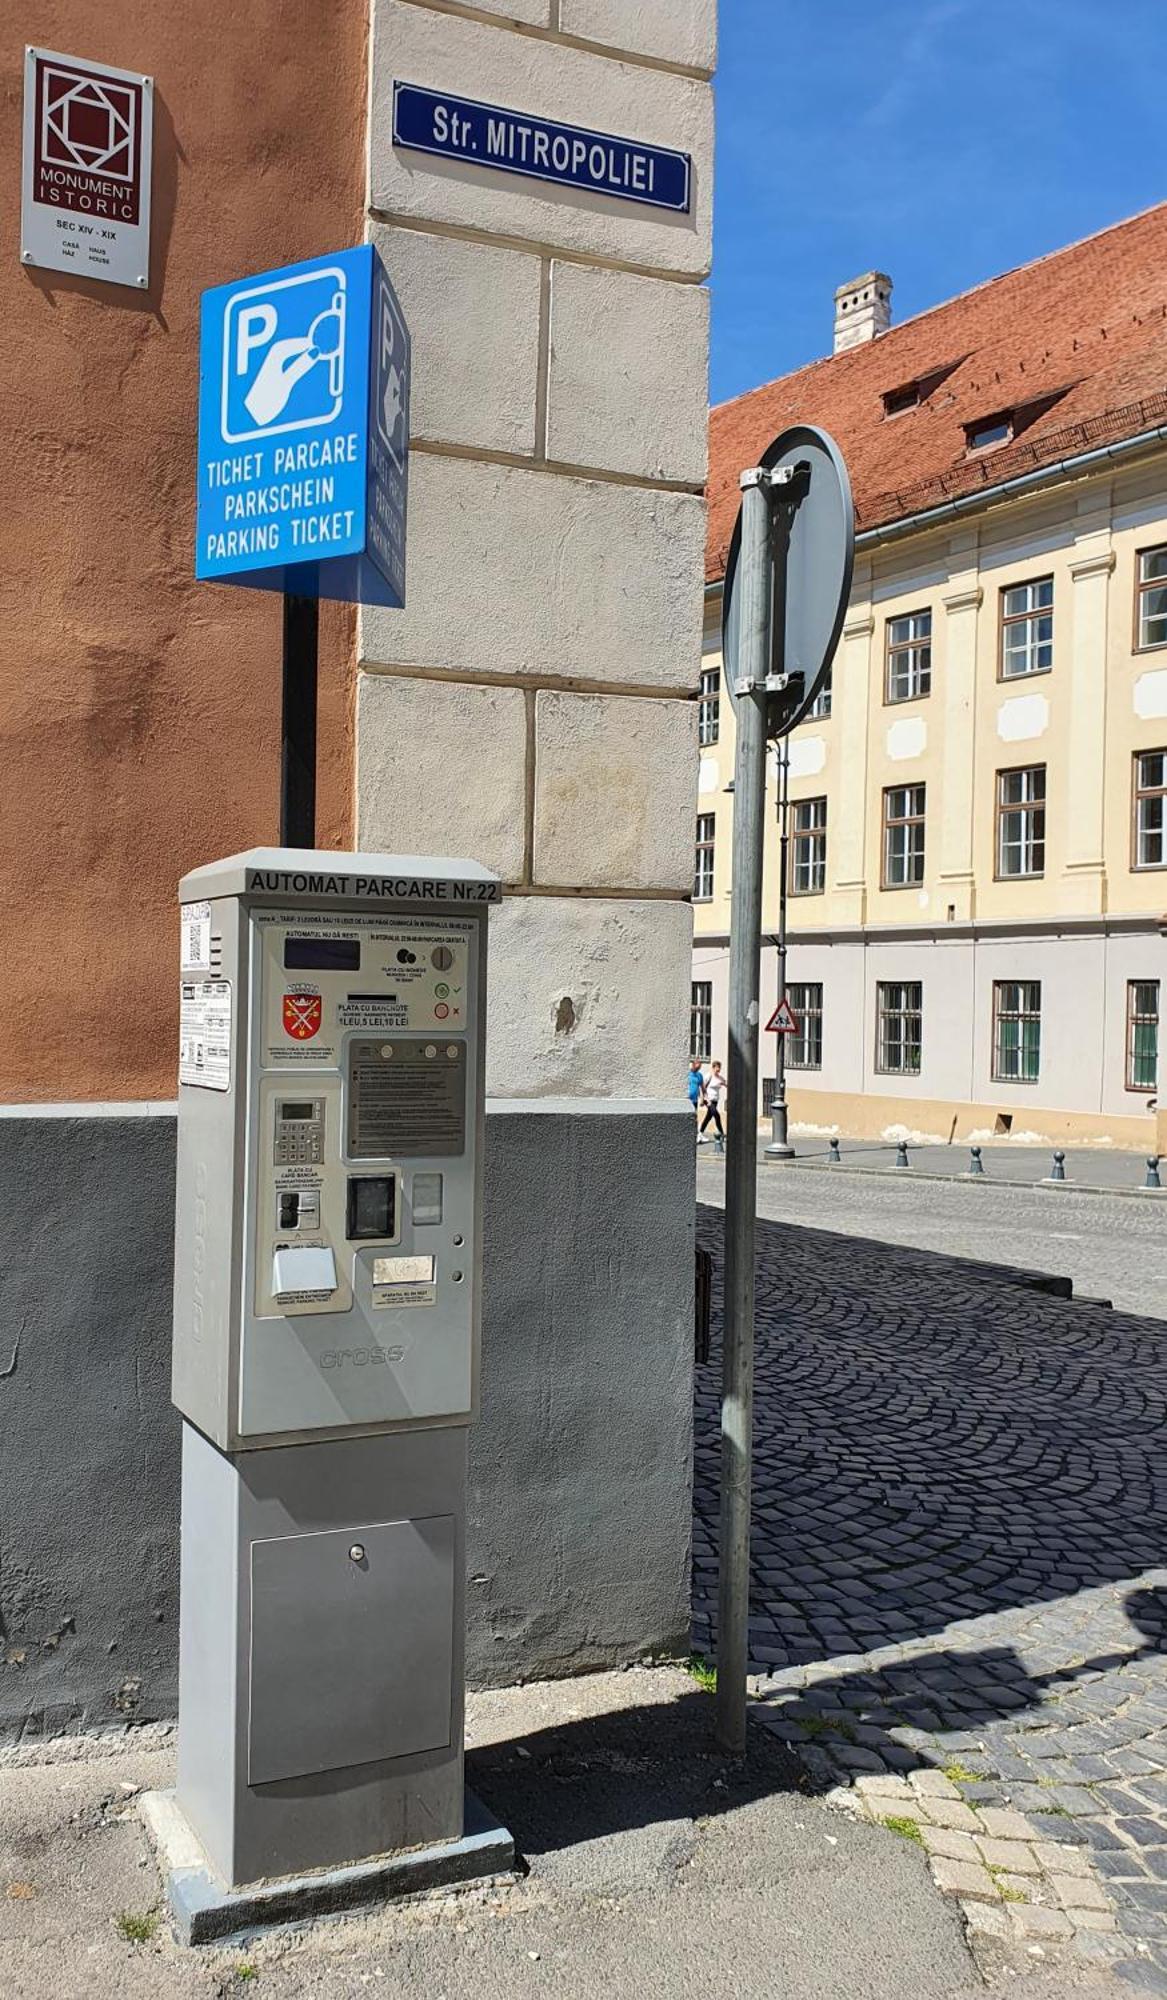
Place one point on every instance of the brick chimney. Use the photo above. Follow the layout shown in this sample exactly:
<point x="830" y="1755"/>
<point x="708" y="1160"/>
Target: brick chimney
<point x="862" y="309"/>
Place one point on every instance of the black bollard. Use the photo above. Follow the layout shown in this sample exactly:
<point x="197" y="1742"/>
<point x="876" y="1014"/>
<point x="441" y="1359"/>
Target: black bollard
<point x="1152" y="1180"/>
<point x="1058" y="1170"/>
<point x="836" y="1158"/>
<point x="901" y="1158"/>
<point x="975" y="1163"/>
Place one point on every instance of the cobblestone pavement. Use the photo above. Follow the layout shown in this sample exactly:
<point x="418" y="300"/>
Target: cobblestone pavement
<point x="959" y="1604"/>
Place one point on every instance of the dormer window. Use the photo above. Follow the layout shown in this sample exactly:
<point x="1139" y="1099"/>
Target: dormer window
<point x="989" y="431"/>
<point x="911" y="395"/>
<point x="906" y="397"/>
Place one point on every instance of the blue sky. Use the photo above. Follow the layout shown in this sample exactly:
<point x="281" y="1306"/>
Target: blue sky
<point x="942" y="141"/>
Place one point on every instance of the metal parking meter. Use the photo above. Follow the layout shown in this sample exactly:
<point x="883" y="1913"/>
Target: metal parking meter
<point x="326" y="1312"/>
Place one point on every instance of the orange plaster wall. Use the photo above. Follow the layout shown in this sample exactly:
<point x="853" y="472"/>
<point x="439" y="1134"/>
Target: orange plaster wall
<point x="139" y="711"/>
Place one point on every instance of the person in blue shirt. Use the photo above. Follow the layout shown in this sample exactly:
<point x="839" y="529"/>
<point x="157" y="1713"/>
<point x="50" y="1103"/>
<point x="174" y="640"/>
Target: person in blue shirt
<point x="696" y="1087"/>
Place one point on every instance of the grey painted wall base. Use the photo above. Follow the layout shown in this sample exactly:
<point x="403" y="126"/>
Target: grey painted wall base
<point x="580" y="1469"/>
<point x="205" y="1912"/>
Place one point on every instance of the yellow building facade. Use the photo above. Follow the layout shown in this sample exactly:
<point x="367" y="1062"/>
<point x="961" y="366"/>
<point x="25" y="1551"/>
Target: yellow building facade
<point x="978" y="822"/>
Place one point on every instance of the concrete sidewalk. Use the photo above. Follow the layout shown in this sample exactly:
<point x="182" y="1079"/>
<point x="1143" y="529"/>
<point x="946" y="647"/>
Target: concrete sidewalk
<point x="654" y="1870"/>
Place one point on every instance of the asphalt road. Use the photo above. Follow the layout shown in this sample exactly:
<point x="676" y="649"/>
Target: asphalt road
<point x="1113" y="1246"/>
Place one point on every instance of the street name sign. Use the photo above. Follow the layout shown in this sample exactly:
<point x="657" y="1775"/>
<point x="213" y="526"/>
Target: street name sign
<point x="783" y="1021"/>
<point x="304" y="431"/>
<point x="541" y="149"/>
<point x="85" y="192"/>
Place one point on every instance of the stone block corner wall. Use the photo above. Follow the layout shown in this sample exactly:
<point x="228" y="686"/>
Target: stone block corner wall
<point x="533" y="707"/>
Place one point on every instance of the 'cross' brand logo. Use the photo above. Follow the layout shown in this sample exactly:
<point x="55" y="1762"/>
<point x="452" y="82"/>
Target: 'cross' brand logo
<point x="361" y="1357"/>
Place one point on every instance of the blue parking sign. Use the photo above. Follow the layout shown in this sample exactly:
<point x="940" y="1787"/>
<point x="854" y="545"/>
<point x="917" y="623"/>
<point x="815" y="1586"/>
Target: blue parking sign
<point x="304" y="431"/>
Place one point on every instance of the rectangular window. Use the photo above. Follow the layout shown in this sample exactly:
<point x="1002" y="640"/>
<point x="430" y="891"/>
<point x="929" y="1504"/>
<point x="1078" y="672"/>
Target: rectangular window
<point x="1021" y="821"/>
<point x="903" y="836"/>
<point x="703" y="868"/>
<point x="1151" y="619"/>
<point x="989" y="431"/>
<point x="909" y="656"/>
<point x="808" y="847"/>
<point x="701" y="1020"/>
<point x="905" y="397"/>
<point x="1150" y="809"/>
<point x="1027" y="629"/>
<point x="1016" y="1030"/>
<point x="805" y="1049"/>
<point x="1142" y="1034"/>
<point x="709" y="706"/>
<point x="899" y="1027"/>
<point x="820" y="707"/>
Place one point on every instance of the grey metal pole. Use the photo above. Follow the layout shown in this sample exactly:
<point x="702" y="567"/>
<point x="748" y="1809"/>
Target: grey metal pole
<point x="749" y="826"/>
<point x="780" y="1147"/>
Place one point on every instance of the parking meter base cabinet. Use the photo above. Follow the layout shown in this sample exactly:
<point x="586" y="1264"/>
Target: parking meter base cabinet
<point x="328" y="1258"/>
<point x="321" y="1689"/>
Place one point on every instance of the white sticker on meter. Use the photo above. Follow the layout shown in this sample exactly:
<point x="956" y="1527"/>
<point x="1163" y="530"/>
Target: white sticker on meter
<point x="407" y="1295"/>
<point x="196" y="937"/>
<point x="204" y="1033"/>
<point x="403" y="1270"/>
<point x="404" y="1281"/>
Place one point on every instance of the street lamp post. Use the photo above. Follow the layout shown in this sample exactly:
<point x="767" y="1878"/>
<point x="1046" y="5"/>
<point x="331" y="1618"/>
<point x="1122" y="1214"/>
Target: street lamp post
<point x="779" y="1147"/>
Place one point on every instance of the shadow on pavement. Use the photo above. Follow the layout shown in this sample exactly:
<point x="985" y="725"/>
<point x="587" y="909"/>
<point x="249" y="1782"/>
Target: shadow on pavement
<point x="635" y="1767"/>
<point x="602" y="1775"/>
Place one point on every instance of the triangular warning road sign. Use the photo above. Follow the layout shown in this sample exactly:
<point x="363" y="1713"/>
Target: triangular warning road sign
<point x="783" y="1021"/>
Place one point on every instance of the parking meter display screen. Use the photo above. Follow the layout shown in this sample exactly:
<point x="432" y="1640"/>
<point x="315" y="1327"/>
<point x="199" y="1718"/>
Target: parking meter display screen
<point x="322" y="954"/>
<point x="407" y="1099"/>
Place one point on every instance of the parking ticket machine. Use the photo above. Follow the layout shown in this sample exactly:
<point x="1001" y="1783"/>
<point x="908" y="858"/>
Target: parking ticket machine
<point x="326" y="1311"/>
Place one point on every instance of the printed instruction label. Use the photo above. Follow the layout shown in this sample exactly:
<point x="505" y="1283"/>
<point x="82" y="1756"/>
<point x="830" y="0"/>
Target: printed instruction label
<point x="204" y="1033"/>
<point x="196" y="937"/>
<point x="358" y="1012"/>
<point x="406" y="1295"/>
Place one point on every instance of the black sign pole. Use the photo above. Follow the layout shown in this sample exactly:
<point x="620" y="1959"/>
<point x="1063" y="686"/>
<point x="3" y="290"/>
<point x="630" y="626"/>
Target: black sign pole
<point x="298" y="733"/>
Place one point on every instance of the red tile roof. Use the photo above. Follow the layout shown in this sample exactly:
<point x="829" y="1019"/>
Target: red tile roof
<point x="1075" y="344"/>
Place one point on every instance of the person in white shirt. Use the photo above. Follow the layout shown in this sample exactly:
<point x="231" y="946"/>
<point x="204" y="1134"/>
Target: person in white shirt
<point x="715" y="1091"/>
